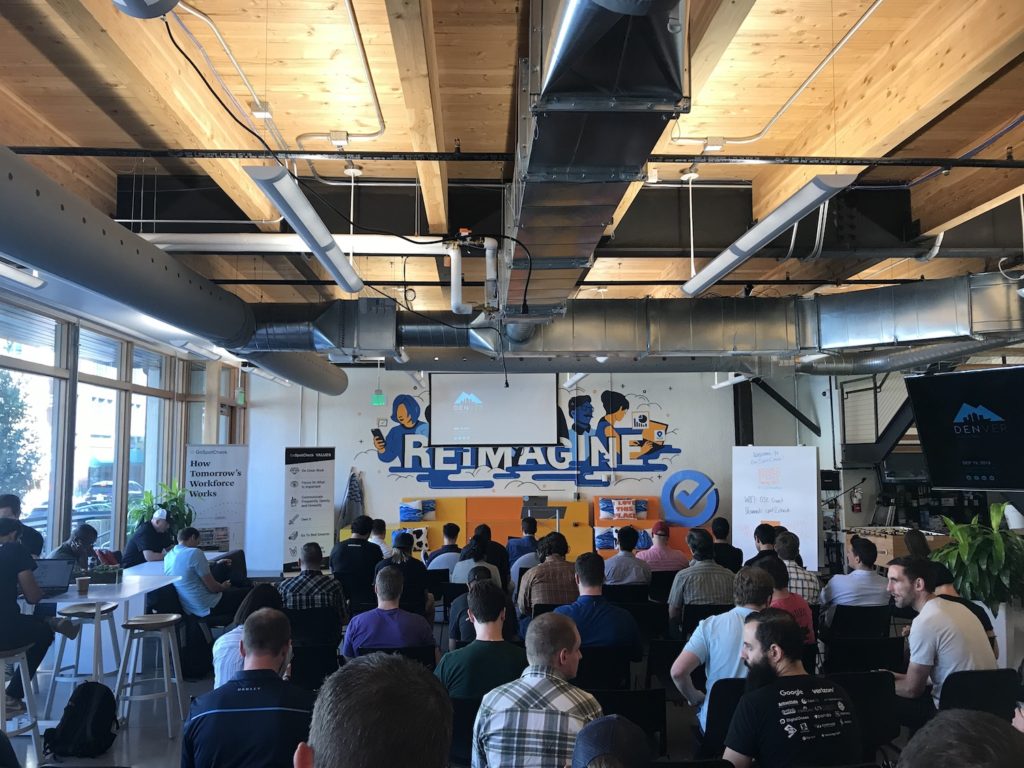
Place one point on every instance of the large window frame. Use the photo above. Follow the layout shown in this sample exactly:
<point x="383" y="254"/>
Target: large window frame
<point x="173" y="389"/>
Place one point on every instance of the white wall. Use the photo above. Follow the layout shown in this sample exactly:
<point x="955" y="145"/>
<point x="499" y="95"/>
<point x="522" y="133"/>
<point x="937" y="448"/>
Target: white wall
<point x="699" y="437"/>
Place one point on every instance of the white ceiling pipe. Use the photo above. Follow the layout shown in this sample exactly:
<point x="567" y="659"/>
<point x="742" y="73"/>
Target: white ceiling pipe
<point x="458" y="307"/>
<point x="269" y="242"/>
<point x="491" y="278"/>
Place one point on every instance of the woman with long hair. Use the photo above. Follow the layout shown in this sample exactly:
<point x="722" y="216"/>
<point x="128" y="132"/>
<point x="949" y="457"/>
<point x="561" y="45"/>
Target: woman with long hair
<point x="473" y="554"/>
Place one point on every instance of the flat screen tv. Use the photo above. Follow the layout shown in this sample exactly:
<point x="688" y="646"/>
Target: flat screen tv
<point x="971" y="426"/>
<point x="469" y="409"/>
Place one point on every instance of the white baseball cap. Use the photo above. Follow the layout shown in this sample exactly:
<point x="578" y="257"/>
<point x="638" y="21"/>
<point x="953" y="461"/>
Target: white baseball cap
<point x="160" y="514"/>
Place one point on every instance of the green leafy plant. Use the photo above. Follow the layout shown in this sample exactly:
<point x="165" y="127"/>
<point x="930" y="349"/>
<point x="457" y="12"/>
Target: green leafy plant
<point x="171" y="497"/>
<point x="987" y="563"/>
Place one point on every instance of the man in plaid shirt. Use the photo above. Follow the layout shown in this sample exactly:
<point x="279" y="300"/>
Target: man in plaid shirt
<point x="311" y="588"/>
<point x="801" y="581"/>
<point x="532" y="722"/>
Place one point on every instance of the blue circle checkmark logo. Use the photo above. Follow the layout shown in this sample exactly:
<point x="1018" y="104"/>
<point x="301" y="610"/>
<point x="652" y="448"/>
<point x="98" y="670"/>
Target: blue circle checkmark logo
<point x="689" y="497"/>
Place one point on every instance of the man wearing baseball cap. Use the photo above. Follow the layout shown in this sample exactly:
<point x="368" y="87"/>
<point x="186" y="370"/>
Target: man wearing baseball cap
<point x="662" y="557"/>
<point x="150" y="541"/>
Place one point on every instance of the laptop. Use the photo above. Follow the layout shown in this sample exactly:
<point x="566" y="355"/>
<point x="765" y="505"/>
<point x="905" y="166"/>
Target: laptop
<point x="54" y="576"/>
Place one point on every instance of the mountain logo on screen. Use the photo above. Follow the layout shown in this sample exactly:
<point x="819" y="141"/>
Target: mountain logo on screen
<point x="467" y="401"/>
<point x="977" y="420"/>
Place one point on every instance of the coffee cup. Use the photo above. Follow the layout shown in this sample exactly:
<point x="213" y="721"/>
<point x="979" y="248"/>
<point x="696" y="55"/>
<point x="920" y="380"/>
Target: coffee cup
<point x="83" y="584"/>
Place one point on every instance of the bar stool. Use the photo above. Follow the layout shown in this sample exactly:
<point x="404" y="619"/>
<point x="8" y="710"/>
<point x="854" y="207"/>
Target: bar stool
<point x="30" y="720"/>
<point x="138" y="628"/>
<point x="82" y="614"/>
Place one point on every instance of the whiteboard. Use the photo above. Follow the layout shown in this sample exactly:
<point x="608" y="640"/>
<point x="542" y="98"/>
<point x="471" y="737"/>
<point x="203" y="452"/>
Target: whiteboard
<point x="777" y="485"/>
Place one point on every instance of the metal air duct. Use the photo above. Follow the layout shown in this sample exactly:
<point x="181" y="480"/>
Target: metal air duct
<point x="603" y="80"/>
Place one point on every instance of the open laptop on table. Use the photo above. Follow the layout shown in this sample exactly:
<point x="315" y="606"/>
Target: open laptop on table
<point x="54" y="576"/>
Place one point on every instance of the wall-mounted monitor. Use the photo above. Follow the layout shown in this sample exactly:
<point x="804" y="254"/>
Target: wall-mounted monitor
<point x="971" y="426"/>
<point x="477" y="409"/>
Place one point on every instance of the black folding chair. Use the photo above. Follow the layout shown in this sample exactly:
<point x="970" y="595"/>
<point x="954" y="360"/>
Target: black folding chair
<point x="810" y="658"/>
<point x="860" y="621"/>
<point x="985" y="690"/>
<point x="661" y="585"/>
<point x="873" y="695"/>
<point x="652" y="618"/>
<point x="312" y="664"/>
<point x="450" y="591"/>
<point x="424" y="654"/>
<point x="660" y="656"/>
<point x="723" y="699"/>
<point x="695" y="764"/>
<point x="864" y="655"/>
<point x="519" y="584"/>
<point x="626" y="593"/>
<point x="645" y="708"/>
<point x="436" y="579"/>
<point x="541" y="608"/>
<point x="463" y="716"/>
<point x="695" y="614"/>
<point x="604" y="667"/>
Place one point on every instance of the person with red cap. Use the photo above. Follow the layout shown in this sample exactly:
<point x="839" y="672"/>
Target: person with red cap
<point x="662" y="557"/>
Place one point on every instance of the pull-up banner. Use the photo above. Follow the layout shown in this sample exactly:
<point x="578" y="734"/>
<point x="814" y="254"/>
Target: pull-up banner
<point x="215" y="478"/>
<point x="308" y="500"/>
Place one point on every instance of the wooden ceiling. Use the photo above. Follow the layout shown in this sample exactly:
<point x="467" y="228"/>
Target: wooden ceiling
<point x="921" y="77"/>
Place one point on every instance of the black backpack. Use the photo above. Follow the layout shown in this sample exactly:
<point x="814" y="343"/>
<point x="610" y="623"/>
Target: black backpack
<point x="85" y="727"/>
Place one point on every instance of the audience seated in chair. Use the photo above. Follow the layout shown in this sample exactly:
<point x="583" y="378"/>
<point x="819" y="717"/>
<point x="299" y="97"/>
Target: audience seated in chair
<point x="965" y="739"/>
<point x="661" y="556"/>
<point x="534" y="720"/>
<point x="862" y="586"/>
<point x="550" y="582"/>
<point x="624" y="567"/>
<point x="79" y="547"/>
<point x="705" y="582"/>
<point x="785" y="600"/>
<point x="150" y="542"/>
<point x="353" y="562"/>
<point x="801" y="581"/>
<point x="201" y="595"/>
<point x="726" y="555"/>
<point x="525" y="543"/>
<point x="227" y="654"/>
<point x="945" y="589"/>
<point x="461" y="628"/>
<point x="600" y="623"/>
<point x="416" y="598"/>
<point x="497" y="554"/>
<point x="378" y="534"/>
<point x="448" y="555"/>
<point x="944" y="638"/>
<point x="611" y="740"/>
<point x="310" y="588"/>
<point x="256" y="719"/>
<point x="764" y="542"/>
<point x="488" y="661"/>
<point x="718" y="640"/>
<point x="787" y="717"/>
<point x="474" y="555"/>
<point x="387" y="625"/>
<point x="371" y="692"/>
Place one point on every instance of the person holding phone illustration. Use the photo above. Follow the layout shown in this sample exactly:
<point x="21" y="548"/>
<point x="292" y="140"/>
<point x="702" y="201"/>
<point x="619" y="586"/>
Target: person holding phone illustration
<point x="405" y="412"/>
<point x="257" y="719"/>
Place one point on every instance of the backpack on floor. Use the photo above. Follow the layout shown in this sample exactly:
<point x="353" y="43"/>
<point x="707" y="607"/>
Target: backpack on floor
<point x="85" y="727"/>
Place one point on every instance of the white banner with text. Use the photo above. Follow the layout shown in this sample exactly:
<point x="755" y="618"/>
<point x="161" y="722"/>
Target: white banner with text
<point x="215" y="477"/>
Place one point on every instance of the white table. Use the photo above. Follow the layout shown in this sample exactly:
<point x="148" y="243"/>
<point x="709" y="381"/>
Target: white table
<point x="132" y="585"/>
<point x="156" y="567"/>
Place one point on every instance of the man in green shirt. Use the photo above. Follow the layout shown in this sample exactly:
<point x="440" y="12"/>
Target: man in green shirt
<point x="488" y="661"/>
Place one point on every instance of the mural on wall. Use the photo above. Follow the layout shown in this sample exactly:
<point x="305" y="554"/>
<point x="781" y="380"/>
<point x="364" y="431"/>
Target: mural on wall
<point x="625" y="439"/>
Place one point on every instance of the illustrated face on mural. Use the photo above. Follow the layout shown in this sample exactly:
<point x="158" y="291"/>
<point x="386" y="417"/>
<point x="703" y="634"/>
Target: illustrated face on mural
<point x="581" y="411"/>
<point x="402" y="416"/>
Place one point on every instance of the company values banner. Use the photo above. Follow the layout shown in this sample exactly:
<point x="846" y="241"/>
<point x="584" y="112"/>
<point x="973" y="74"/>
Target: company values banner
<point x="215" y="477"/>
<point x="308" y="499"/>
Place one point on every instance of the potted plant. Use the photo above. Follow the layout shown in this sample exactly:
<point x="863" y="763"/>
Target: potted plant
<point x="171" y="498"/>
<point x="987" y="564"/>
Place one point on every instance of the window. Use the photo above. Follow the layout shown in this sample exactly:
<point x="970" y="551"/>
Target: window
<point x="27" y="407"/>
<point x="94" y="493"/>
<point x="148" y="368"/>
<point x="147" y="449"/>
<point x="27" y="336"/>
<point x="99" y="355"/>
<point x="196" y="378"/>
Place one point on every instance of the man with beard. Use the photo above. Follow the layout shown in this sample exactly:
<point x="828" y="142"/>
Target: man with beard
<point x="787" y="717"/>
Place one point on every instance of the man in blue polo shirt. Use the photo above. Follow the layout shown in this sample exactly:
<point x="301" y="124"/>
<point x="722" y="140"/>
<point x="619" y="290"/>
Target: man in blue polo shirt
<point x="600" y="623"/>
<point x="257" y="719"/>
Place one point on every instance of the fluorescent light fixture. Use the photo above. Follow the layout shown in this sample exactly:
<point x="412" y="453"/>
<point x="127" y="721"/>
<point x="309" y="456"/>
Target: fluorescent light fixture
<point x="806" y="199"/>
<point x="575" y="379"/>
<point x="284" y="192"/>
<point x="731" y="381"/>
<point x="200" y="351"/>
<point x="601" y="358"/>
<point x="22" y="275"/>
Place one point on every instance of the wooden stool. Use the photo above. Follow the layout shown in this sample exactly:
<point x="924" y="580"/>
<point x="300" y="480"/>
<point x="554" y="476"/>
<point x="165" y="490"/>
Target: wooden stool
<point x="30" y="720"/>
<point x="138" y="629"/>
<point x="82" y="614"/>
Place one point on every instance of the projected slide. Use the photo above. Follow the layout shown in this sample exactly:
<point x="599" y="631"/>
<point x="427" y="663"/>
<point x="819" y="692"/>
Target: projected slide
<point x="477" y="409"/>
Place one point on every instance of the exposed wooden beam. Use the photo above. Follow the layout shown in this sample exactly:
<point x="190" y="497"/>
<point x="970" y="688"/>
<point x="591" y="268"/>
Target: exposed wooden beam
<point x="714" y="23"/>
<point x="87" y="178"/>
<point x="944" y="202"/>
<point x="165" y="86"/>
<point x="412" y="33"/>
<point x="951" y="49"/>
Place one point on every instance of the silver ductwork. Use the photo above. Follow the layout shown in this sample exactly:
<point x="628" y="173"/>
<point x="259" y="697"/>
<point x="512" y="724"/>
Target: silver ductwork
<point x="603" y="80"/>
<point x="48" y="228"/>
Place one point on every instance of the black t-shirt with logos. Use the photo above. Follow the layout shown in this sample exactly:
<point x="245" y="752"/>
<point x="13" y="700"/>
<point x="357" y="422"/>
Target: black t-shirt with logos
<point x="146" y="538"/>
<point x="14" y="559"/>
<point x="352" y="563"/>
<point x="795" y="721"/>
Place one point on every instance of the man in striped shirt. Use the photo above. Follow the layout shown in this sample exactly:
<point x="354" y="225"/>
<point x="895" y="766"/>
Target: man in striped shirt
<point x="312" y="588"/>
<point x="801" y="581"/>
<point x="532" y="722"/>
